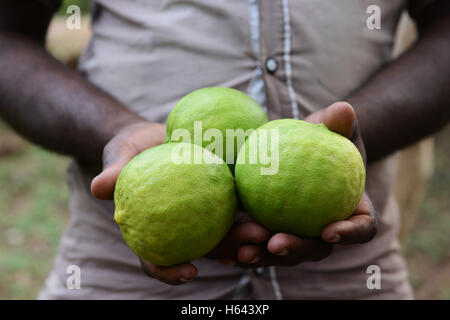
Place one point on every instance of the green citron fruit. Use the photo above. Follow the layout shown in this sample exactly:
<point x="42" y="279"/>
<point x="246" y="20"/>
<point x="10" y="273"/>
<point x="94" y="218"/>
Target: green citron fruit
<point x="213" y="110"/>
<point x="171" y="212"/>
<point x="319" y="177"/>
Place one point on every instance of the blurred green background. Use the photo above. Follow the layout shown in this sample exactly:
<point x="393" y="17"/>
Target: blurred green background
<point x="34" y="199"/>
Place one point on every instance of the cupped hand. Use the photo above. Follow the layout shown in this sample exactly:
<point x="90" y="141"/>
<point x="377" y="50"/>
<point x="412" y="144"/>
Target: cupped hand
<point x="121" y="149"/>
<point x="247" y="244"/>
<point x="285" y="249"/>
<point x="130" y="141"/>
<point x="361" y="226"/>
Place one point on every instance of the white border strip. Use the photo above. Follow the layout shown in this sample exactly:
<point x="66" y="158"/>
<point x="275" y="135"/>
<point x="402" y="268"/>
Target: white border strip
<point x="287" y="58"/>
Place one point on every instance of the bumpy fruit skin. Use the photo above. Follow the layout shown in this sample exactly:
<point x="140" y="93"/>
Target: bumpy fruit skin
<point x="173" y="213"/>
<point x="217" y="108"/>
<point x="320" y="179"/>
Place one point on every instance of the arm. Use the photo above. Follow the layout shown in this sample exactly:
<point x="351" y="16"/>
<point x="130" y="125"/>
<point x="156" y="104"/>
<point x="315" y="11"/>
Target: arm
<point x="404" y="102"/>
<point x="58" y="109"/>
<point x="45" y="101"/>
<point x="410" y="98"/>
<point x="250" y="245"/>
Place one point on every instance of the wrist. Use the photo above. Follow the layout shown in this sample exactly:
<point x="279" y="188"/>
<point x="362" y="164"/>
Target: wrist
<point x="124" y="120"/>
<point x="106" y="131"/>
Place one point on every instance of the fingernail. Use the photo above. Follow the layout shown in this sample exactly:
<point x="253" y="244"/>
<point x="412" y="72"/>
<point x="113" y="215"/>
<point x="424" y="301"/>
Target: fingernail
<point x="255" y="259"/>
<point x="185" y="280"/>
<point x="283" y="252"/>
<point x="335" y="239"/>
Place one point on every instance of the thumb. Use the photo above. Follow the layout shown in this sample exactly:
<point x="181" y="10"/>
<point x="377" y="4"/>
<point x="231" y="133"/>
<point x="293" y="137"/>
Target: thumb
<point x="114" y="160"/>
<point x="338" y="117"/>
<point x="127" y="144"/>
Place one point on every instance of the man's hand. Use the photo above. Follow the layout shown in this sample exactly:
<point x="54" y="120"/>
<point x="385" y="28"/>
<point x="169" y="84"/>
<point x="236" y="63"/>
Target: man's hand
<point x="121" y="149"/>
<point x="247" y="244"/>
<point x="130" y="141"/>
<point x="250" y="245"/>
<point x="362" y="224"/>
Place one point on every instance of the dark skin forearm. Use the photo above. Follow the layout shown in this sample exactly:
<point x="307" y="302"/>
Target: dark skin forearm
<point x="52" y="105"/>
<point x="410" y="98"/>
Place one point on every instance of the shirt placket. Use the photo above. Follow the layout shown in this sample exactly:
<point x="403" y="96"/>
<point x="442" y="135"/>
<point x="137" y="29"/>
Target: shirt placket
<point x="275" y="57"/>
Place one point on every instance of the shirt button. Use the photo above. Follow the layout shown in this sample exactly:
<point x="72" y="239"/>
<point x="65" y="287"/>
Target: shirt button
<point x="258" y="272"/>
<point x="271" y="65"/>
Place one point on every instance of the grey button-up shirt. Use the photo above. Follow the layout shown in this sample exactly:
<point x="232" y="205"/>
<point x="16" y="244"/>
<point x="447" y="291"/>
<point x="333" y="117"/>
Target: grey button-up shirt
<point x="292" y="56"/>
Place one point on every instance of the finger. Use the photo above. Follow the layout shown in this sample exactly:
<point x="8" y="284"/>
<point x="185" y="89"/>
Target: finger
<point x="248" y="232"/>
<point x="114" y="160"/>
<point x="338" y="117"/>
<point x="300" y="250"/>
<point x="242" y="233"/>
<point x="250" y="254"/>
<point x="241" y="216"/>
<point x="174" y="275"/>
<point x="357" y="229"/>
<point x="361" y="227"/>
<point x="294" y="248"/>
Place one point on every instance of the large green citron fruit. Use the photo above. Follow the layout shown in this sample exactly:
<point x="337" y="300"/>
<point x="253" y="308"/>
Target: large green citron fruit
<point x="171" y="212"/>
<point x="319" y="178"/>
<point x="217" y="108"/>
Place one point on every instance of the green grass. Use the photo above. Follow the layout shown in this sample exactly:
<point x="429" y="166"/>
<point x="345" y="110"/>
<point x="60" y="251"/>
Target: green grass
<point x="33" y="212"/>
<point x="428" y="253"/>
